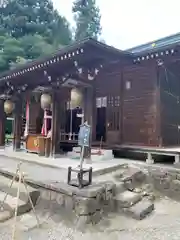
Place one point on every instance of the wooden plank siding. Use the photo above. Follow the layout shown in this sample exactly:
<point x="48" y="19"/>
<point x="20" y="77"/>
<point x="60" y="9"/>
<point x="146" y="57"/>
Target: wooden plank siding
<point x="131" y="114"/>
<point x="140" y="116"/>
<point x="109" y="85"/>
<point x="169" y="76"/>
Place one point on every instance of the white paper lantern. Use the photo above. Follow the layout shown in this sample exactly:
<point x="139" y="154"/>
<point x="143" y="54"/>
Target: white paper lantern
<point x="8" y="106"/>
<point x="76" y="98"/>
<point x="46" y="101"/>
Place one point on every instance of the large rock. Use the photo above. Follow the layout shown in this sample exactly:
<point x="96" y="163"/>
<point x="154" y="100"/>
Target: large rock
<point x="141" y="209"/>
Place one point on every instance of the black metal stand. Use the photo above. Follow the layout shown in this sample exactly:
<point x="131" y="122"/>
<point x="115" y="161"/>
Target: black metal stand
<point x="79" y="181"/>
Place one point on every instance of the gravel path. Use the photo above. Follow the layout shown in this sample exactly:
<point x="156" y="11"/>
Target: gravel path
<point x="163" y="224"/>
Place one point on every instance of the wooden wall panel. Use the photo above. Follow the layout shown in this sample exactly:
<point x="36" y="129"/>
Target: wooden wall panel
<point x="170" y="104"/>
<point x="109" y="85"/>
<point x="140" y="106"/>
<point x="136" y="112"/>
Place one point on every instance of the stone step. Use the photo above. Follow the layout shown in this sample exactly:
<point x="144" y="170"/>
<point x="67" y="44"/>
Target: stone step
<point x="140" y="210"/>
<point x="133" y="174"/>
<point x="126" y="199"/>
<point x="8" y="208"/>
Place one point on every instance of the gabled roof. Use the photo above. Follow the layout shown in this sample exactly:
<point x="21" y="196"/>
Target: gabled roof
<point x="68" y="52"/>
<point x="156" y="45"/>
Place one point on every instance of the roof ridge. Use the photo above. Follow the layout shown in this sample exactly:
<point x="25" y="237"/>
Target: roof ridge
<point x="173" y="38"/>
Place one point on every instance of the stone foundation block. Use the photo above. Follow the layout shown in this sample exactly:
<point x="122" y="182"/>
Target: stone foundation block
<point x="85" y="206"/>
<point x="81" y="221"/>
<point x="119" y="188"/>
<point x="140" y="210"/>
<point x="175" y="185"/>
<point x="69" y="203"/>
<point x="45" y="194"/>
<point x="96" y="217"/>
<point x="129" y="185"/>
<point x="127" y="199"/>
<point x="60" y="199"/>
<point x="161" y="185"/>
<point x="177" y="176"/>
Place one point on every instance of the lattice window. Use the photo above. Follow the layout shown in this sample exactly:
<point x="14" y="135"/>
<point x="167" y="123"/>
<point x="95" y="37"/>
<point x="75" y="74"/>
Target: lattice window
<point x="104" y="101"/>
<point x="111" y="101"/>
<point x="117" y="101"/>
<point x="101" y="102"/>
<point x="98" y="102"/>
<point x="128" y="84"/>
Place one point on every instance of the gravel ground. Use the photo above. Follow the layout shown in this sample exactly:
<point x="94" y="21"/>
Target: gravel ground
<point x="164" y="223"/>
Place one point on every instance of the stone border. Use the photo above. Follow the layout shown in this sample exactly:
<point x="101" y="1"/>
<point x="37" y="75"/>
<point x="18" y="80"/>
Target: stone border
<point x="87" y="204"/>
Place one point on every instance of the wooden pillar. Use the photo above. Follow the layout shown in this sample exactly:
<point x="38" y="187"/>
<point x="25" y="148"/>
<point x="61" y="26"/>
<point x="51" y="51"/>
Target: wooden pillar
<point x="88" y="115"/>
<point x="17" y="124"/>
<point x="2" y="124"/>
<point x="55" y="145"/>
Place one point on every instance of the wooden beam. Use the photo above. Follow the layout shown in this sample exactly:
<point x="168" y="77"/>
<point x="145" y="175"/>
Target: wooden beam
<point x="55" y="147"/>
<point x="88" y="109"/>
<point x="17" y="124"/>
<point x="2" y="124"/>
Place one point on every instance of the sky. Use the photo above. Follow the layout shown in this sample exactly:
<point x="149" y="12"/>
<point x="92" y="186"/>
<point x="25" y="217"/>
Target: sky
<point x="128" y="23"/>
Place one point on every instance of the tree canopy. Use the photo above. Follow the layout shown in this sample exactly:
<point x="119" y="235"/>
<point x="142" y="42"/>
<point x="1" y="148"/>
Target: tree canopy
<point x="87" y="18"/>
<point x="33" y="28"/>
<point x="30" y="29"/>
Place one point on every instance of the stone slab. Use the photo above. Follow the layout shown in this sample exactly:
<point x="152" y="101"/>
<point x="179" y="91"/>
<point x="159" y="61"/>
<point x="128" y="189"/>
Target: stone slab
<point x="29" y="222"/>
<point x="89" y="191"/>
<point x="10" y="201"/>
<point x="5" y="215"/>
<point x="11" y="192"/>
<point x="10" y="204"/>
<point x="141" y="209"/>
<point x="5" y="187"/>
<point x="130" y="173"/>
<point x="127" y="199"/>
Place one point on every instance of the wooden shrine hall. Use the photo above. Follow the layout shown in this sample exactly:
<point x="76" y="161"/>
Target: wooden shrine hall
<point x="129" y="98"/>
<point x="54" y="96"/>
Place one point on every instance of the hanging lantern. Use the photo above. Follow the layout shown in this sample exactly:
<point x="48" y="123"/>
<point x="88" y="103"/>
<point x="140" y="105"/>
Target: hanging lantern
<point x="45" y="101"/>
<point x="8" y="106"/>
<point x="76" y="98"/>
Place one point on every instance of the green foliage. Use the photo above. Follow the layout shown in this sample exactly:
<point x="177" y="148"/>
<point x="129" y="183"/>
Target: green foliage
<point x="22" y="17"/>
<point x="30" y="29"/>
<point x="17" y="51"/>
<point x="87" y="18"/>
